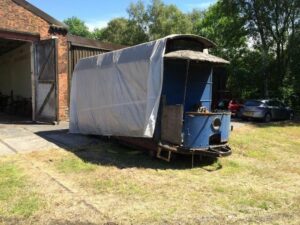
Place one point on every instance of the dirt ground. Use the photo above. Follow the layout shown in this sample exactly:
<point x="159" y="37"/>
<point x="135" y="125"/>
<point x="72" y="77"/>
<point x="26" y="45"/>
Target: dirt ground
<point x="105" y="183"/>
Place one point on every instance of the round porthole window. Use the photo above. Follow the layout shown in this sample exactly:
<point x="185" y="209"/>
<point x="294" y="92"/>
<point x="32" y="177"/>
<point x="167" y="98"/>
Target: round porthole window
<point x="216" y="124"/>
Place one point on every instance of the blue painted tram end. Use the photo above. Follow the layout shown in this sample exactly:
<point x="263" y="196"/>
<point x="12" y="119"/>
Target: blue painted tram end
<point x="185" y="121"/>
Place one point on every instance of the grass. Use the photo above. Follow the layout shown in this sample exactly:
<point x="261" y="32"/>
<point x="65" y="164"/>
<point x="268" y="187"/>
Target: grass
<point x="15" y="198"/>
<point x="259" y="183"/>
<point x="27" y="205"/>
<point x="11" y="181"/>
<point x="73" y="165"/>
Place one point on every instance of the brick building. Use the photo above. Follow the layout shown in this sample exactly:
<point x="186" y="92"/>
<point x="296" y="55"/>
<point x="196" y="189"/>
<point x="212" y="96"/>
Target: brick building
<point x="36" y="60"/>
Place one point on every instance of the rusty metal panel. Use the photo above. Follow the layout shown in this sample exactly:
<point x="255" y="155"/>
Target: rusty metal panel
<point x="171" y="123"/>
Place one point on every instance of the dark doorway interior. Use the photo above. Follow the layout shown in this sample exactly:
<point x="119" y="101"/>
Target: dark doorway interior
<point x="15" y="79"/>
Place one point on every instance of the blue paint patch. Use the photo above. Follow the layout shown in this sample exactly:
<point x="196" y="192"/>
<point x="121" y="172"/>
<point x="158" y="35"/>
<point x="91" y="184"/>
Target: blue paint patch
<point x="198" y="129"/>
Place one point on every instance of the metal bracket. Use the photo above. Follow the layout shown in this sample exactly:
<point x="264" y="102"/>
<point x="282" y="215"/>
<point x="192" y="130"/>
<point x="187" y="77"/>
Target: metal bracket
<point x="158" y="155"/>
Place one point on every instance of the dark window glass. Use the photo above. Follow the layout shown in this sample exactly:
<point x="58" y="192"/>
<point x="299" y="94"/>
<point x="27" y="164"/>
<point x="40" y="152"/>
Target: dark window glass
<point x="223" y="104"/>
<point x="281" y="105"/>
<point x="184" y="44"/>
<point x="253" y="103"/>
<point x="274" y="103"/>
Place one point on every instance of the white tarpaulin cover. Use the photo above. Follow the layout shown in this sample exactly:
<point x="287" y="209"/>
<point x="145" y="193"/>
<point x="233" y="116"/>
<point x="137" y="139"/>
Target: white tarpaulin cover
<point x="118" y="93"/>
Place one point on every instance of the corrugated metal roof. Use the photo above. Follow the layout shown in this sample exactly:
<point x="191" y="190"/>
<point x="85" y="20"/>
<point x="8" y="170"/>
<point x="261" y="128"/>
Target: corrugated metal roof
<point x="90" y="43"/>
<point x="193" y="55"/>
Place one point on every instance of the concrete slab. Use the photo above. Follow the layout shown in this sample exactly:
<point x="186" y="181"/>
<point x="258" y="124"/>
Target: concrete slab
<point x="19" y="136"/>
<point x="24" y="137"/>
<point x="13" y="131"/>
<point x="29" y="143"/>
<point x="4" y="150"/>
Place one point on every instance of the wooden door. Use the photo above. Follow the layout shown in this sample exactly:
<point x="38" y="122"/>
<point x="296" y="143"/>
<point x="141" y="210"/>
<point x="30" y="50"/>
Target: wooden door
<point x="171" y="124"/>
<point x="46" y="81"/>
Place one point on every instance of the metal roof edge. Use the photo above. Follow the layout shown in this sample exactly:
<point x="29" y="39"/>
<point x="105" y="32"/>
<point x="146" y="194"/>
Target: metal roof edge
<point x="86" y="42"/>
<point x="208" y="43"/>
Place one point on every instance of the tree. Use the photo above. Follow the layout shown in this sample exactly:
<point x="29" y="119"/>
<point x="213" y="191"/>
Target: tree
<point x="291" y="91"/>
<point x="227" y="30"/>
<point x="77" y="27"/>
<point x="196" y="17"/>
<point x="146" y="23"/>
<point x="258" y="37"/>
<point x="158" y="20"/>
<point x="121" y="31"/>
<point x="270" y="22"/>
<point x="166" y="19"/>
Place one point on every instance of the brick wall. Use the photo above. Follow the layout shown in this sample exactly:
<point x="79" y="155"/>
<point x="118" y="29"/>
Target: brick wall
<point x="17" y="18"/>
<point x="63" y="78"/>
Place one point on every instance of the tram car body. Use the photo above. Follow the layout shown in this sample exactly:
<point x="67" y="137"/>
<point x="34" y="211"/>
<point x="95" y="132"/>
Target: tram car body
<point x="156" y="96"/>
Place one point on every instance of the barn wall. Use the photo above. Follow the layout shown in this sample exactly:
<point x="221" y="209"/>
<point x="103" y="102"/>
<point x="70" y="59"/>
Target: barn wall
<point x="19" y="19"/>
<point x="78" y="52"/>
<point x="15" y="72"/>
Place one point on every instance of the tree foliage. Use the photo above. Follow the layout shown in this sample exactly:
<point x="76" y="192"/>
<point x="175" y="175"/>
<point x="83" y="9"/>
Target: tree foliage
<point x="121" y="31"/>
<point x="146" y="23"/>
<point x="77" y="27"/>
<point x="271" y="25"/>
<point x="260" y="39"/>
<point x="165" y="20"/>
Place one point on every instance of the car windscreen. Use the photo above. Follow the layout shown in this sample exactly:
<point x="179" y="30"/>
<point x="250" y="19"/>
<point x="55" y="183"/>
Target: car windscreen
<point x="253" y="103"/>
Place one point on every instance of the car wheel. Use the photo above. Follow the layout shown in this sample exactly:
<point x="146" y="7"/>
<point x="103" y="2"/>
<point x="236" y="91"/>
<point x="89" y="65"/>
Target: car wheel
<point x="239" y="114"/>
<point x="267" y="118"/>
<point x="244" y="118"/>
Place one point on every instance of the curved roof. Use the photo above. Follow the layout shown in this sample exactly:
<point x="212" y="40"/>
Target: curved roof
<point x="207" y="43"/>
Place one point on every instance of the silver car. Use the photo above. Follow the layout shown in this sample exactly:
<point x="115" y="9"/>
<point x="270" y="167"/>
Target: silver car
<point x="266" y="110"/>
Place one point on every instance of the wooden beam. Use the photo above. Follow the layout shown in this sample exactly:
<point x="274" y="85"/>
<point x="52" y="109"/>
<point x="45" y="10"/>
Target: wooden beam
<point x="19" y="35"/>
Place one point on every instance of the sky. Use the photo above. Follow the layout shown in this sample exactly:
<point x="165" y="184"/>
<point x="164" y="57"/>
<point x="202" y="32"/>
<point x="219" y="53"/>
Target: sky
<point x="97" y="13"/>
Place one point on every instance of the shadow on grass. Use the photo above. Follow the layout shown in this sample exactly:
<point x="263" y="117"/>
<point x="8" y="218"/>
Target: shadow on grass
<point x="104" y="151"/>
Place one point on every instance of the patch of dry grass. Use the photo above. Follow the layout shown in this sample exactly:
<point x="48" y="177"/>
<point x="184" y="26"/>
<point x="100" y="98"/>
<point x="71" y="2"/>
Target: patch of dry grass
<point x="16" y="196"/>
<point x="259" y="183"/>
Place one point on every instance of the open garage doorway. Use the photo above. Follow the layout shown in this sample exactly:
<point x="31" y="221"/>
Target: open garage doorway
<point x="16" y="69"/>
<point x="28" y="80"/>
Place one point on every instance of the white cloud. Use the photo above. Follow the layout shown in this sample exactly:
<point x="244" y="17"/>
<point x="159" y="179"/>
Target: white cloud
<point x="201" y="5"/>
<point x="92" y="24"/>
